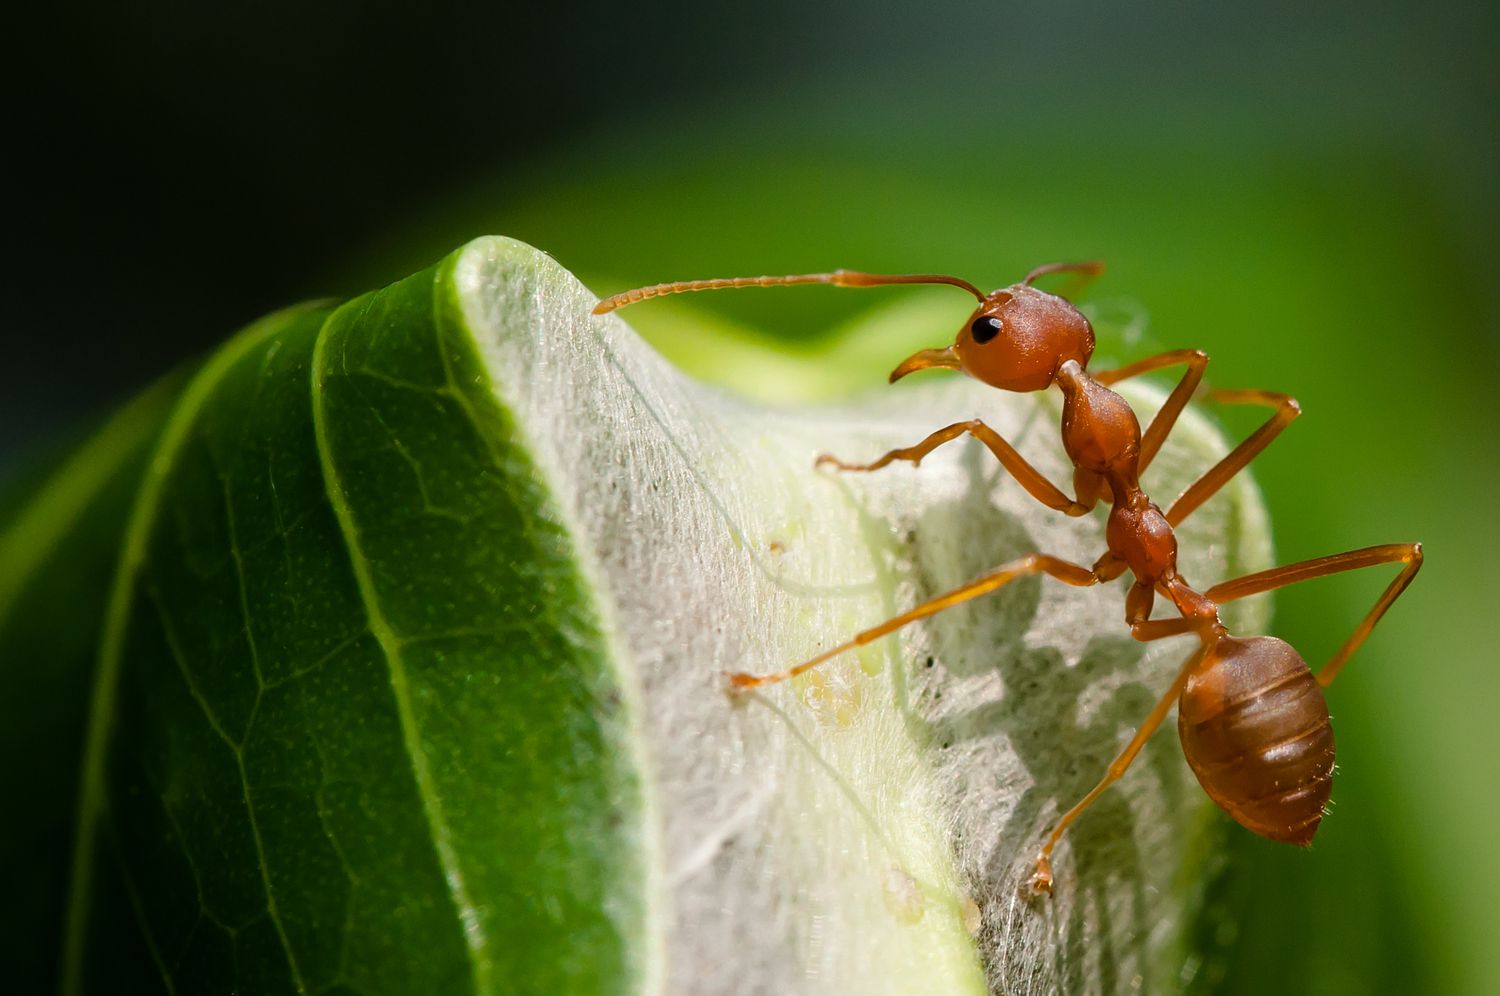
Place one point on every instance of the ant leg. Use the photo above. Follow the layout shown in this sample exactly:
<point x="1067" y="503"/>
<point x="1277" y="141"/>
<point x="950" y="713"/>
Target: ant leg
<point x="1166" y="417"/>
<point x="1035" y="563"/>
<point x="1025" y="474"/>
<point x="1042" y="880"/>
<point x="1204" y="488"/>
<point x="1159" y="629"/>
<point x="1409" y="554"/>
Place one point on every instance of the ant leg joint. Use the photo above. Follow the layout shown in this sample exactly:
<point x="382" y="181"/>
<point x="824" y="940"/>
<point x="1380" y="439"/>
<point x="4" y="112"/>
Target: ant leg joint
<point x="738" y="683"/>
<point x="1289" y="406"/>
<point x="1041" y="879"/>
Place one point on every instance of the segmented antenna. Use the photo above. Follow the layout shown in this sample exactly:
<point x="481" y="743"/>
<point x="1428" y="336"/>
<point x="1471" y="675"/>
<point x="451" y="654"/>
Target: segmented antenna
<point x="1090" y="268"/>
<point x="838" y="278"/>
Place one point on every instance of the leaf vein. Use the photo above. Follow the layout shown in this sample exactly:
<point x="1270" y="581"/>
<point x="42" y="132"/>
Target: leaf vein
<point x="180" y="660"/>
<point x="132" y="892"/>
<point x="92" y="790"/>
<point x="453" y="875"/>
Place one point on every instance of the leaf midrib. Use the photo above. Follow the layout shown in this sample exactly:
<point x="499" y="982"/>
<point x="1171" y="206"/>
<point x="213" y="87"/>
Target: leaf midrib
<point x="390" y="644"/>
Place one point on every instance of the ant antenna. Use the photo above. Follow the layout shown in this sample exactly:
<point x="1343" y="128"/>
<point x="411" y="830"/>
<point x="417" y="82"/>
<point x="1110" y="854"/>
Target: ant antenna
<point x="1090" y="268"/>
<point x="838" y="278"/>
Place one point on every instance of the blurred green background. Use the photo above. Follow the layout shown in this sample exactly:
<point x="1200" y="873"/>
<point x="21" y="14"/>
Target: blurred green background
<point x="1310" y="196"/>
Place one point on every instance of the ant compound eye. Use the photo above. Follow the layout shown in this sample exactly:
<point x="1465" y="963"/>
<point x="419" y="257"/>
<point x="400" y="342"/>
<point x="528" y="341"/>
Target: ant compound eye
<point x="985" y="328"/>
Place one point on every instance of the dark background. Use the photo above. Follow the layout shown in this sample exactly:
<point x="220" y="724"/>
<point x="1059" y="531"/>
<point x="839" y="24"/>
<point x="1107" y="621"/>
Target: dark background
<point x="177" y="169"/>
<point x="1311" y="195"/>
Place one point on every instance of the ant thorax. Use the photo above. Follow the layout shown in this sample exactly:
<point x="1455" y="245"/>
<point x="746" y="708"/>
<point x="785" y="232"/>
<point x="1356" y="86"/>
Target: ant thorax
<point x="1099" y="430"/>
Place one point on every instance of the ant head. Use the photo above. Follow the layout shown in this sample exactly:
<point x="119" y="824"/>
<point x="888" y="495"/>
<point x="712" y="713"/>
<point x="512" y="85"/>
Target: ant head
<point x="1015" y="340"/>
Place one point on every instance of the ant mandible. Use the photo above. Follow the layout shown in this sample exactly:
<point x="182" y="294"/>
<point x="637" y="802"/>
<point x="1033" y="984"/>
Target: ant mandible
<point x="1251" y="714"/>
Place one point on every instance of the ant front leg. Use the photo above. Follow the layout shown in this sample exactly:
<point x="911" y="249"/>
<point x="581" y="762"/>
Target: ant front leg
<point x="1166" y="417"/>
<point x="1025" y="474"/>
<point x="1409" y="554"/>
<point x="1220" y="474"/>
<point x="1035" y="563"/>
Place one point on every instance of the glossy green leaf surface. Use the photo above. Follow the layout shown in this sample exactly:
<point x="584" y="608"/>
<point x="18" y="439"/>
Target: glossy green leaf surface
<point x="352" y="746"/>
<point x="409" y="680"/>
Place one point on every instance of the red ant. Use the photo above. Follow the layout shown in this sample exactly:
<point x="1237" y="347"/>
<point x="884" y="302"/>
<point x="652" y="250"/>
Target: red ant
<point x="1251" y="715"/>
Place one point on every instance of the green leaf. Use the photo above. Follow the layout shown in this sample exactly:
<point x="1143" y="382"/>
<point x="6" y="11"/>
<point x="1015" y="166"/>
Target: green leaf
<point x="59" y="553"/>
<point x="409" y="680"/>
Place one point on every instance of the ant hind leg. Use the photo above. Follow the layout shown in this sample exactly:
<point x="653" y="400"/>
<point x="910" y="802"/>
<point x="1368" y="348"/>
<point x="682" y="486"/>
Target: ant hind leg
<point x="1407" y="554"/>
<point x="1041" y="880"/>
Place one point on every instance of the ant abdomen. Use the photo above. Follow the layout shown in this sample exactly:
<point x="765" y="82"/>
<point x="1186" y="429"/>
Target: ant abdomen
<point x="1255" y="730"/>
